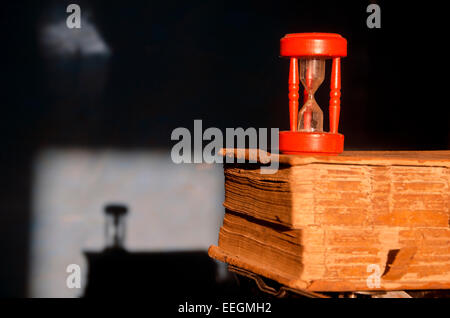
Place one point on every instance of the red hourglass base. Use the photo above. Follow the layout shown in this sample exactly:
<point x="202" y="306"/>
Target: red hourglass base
<point x="301" y="143"/>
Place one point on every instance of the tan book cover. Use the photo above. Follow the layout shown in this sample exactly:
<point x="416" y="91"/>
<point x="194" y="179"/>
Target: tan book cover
<point x="333" y="223"/>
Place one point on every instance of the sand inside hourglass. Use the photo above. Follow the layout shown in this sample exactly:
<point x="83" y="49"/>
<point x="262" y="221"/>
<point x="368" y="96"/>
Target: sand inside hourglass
<point x="312" y="74"/>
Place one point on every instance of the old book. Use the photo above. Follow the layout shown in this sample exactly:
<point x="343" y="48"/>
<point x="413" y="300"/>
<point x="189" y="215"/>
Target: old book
<point x="357" y="221"/>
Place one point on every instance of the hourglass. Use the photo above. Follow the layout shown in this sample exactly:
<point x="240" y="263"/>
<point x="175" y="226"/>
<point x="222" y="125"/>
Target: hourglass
<point x="310" y="50"/>
<point x="115" y="227"/>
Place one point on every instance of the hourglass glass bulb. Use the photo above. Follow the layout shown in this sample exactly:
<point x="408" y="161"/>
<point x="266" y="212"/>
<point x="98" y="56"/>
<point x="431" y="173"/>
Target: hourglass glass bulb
<point x="312" y="73"/>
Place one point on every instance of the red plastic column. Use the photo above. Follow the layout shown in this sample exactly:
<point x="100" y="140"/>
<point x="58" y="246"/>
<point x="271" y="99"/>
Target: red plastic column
<point x="293" y="93"/>
<point x="335" y="95"/>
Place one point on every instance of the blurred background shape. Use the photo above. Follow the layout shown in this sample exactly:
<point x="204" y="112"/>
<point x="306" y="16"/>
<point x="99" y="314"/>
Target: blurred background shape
<point x="172" y="208"/>
<point x="115" y="228"/>
<point x="57" y="40"/>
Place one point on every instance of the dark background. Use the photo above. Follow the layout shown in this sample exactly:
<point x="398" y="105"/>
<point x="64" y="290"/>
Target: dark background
<point x="176" y="61"/>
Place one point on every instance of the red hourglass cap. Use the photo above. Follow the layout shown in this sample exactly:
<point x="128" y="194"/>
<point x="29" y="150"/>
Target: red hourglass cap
<point x="326" y="45"/>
